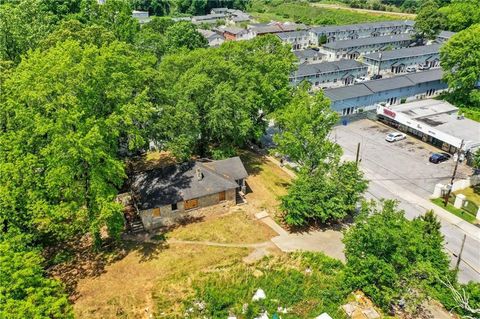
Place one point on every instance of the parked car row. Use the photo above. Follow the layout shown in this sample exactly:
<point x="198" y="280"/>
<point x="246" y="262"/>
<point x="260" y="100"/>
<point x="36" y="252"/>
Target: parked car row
<point x="435" y="158"/>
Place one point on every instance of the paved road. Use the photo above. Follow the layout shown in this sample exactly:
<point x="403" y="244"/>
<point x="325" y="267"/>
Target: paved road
<point x="401" y="171"/>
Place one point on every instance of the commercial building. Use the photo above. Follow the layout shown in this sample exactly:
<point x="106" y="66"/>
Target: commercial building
<point x="395" y="90"/>
<point x="436" y="122"/>
<point x="352" y="49"/>
<point x="396" y="61"/>
<point x="363" y="30"/>
<point x="329" y="74"/>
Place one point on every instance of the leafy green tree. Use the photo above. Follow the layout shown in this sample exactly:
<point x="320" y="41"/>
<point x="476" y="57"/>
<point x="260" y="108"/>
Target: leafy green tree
<point x="24" y="290"/>
<point x="154" y="7"/>
<point x="114" y="15"/>
<point x="183" y="35"/>
<point x="304" y="125"/>
<point x="67" y="115"/>
<point x="391" y="258"/>
<point x="327" y="195"/>
<point x="207" y="103"/>
<point x="429" y="21"/>
<point x="22" y="26"/>
<point x="62" y="8"/>
<point x="201" y="7"/>
<point x="75" y="30"/>
<point x="460" y="60"/>
<point x="460" y="14"/>
<point x="476" y="159"/>
<point x="151" y="37"/>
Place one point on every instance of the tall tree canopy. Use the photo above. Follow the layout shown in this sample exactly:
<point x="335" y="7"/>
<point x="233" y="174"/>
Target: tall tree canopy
<point x="429" y="21"/>
<point x="200" y="7"/>
<point x="24" y="291"/>
<point x="304" y="125"/>
<point x="460" y="14"/>
<point x="326" y="190"/>
<point x="391" y="258"/>
<point x="114" y="15"/>
<point x="22" y="26"/>
<point x="183" y="35"/>
<point x="211" y="100"/>
<point x="460" y="59"/>
<point x="154" y="7"/>
<point x="66" y="114"/>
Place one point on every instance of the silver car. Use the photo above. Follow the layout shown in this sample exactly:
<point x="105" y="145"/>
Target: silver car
<point x="395" y="136"/>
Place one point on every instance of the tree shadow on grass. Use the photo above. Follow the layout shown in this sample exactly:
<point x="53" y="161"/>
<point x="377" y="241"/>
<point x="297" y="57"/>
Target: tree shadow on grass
<point x="318" y="226"/>
<point x="85" y="261"/>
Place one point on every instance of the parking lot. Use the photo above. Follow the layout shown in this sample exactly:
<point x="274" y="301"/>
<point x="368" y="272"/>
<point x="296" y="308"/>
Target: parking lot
<point x="405" y="162"/>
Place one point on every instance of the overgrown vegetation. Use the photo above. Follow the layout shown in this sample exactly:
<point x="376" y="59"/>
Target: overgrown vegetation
<point x="302" y="11"/>
<point x="306" y="284"/>
<point x="398" y="263"/>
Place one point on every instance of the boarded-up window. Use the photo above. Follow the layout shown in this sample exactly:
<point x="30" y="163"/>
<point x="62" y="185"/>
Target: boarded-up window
<point x="156" y="212"/>
<point x="191" y="203"/>
<point x="221" y="196"/>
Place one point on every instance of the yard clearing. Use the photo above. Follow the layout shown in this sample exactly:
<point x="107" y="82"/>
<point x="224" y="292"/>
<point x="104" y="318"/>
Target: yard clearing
<point x="267" y="182"/>
<point x="236" y="227"/>
<point x="472" y="193"/>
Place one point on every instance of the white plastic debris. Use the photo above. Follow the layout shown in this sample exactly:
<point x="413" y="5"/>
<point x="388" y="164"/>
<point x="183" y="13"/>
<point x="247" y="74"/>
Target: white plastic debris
<point x="263" y="316"/>
<point x="324" y="316"/>
<point x="259" y="295"/>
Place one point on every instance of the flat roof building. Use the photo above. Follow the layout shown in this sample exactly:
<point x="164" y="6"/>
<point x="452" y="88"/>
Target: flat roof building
<point x="434" y="121"/>
<point x="396" y="61"/>
<point x="352" y="49"/>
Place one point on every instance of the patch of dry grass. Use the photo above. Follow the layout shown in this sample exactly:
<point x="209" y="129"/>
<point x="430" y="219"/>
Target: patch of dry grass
<point x="472" y="194"/>
<point x="237" y="227"/>
<point x="149" y="275"/>
<point x="267" y="181"/>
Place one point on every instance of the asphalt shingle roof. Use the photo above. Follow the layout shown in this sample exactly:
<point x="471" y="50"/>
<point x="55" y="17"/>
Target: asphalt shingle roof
<point x="307" y="53"/>
<point x="344" y="44"/>
<point x="328" y="67"/>
<point x="172" y="184"/>
<point x="360" y="26"/>
<point x="375" y="86"/>
<point x="405" y="52"/>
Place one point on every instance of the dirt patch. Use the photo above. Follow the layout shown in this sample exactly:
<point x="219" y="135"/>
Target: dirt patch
<point x="138" y="287"/>
<point x="234" y="227"/>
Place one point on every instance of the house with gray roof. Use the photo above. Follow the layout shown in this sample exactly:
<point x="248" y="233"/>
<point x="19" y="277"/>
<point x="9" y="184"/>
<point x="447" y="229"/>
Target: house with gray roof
<point x="353" y="49"/>
<point x="214" y="39"/>
<point x="299" y="40"/>
<point x="390" y="91"/>
<point x="168" y="194"/>
<point x="275" y="27"/>
<point x="208" y="18"/>
<point x="308" y="55"/>
<point x="396" y="61"/>
<point x="443" y="36"/>
<point x="363" y="30"/>
<point x="329" y="74"/>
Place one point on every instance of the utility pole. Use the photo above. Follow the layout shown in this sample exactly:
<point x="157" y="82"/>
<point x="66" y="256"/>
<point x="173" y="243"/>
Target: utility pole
<point x="379" y="62"/>
<point x="453" y="175"/>
<point x="461" y="251"/>
<point x="358" y="153"/>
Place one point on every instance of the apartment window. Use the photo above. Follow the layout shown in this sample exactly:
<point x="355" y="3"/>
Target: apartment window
<point x="174" y="207"/>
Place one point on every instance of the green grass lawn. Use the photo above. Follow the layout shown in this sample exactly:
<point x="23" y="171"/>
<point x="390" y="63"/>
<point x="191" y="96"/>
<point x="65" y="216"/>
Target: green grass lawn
<point x="305" y="13"/>
<point x="457" y="212"/>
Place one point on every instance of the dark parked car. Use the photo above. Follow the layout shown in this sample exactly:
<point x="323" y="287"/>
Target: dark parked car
<point x="436" y="158"/>
<point x="376" y="77"/>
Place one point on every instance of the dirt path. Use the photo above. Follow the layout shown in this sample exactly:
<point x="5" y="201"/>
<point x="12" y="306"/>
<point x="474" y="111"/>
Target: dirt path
<point x="336" y="6"/>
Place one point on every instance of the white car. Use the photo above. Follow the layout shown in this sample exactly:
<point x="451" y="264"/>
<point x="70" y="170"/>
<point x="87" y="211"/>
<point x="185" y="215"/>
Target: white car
<point x="360" y="79"/>
<point x="395" y="136"/>
<point x="411" y="69"/>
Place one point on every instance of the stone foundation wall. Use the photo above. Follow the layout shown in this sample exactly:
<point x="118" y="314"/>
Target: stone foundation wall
<point x="207" y="206"/>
